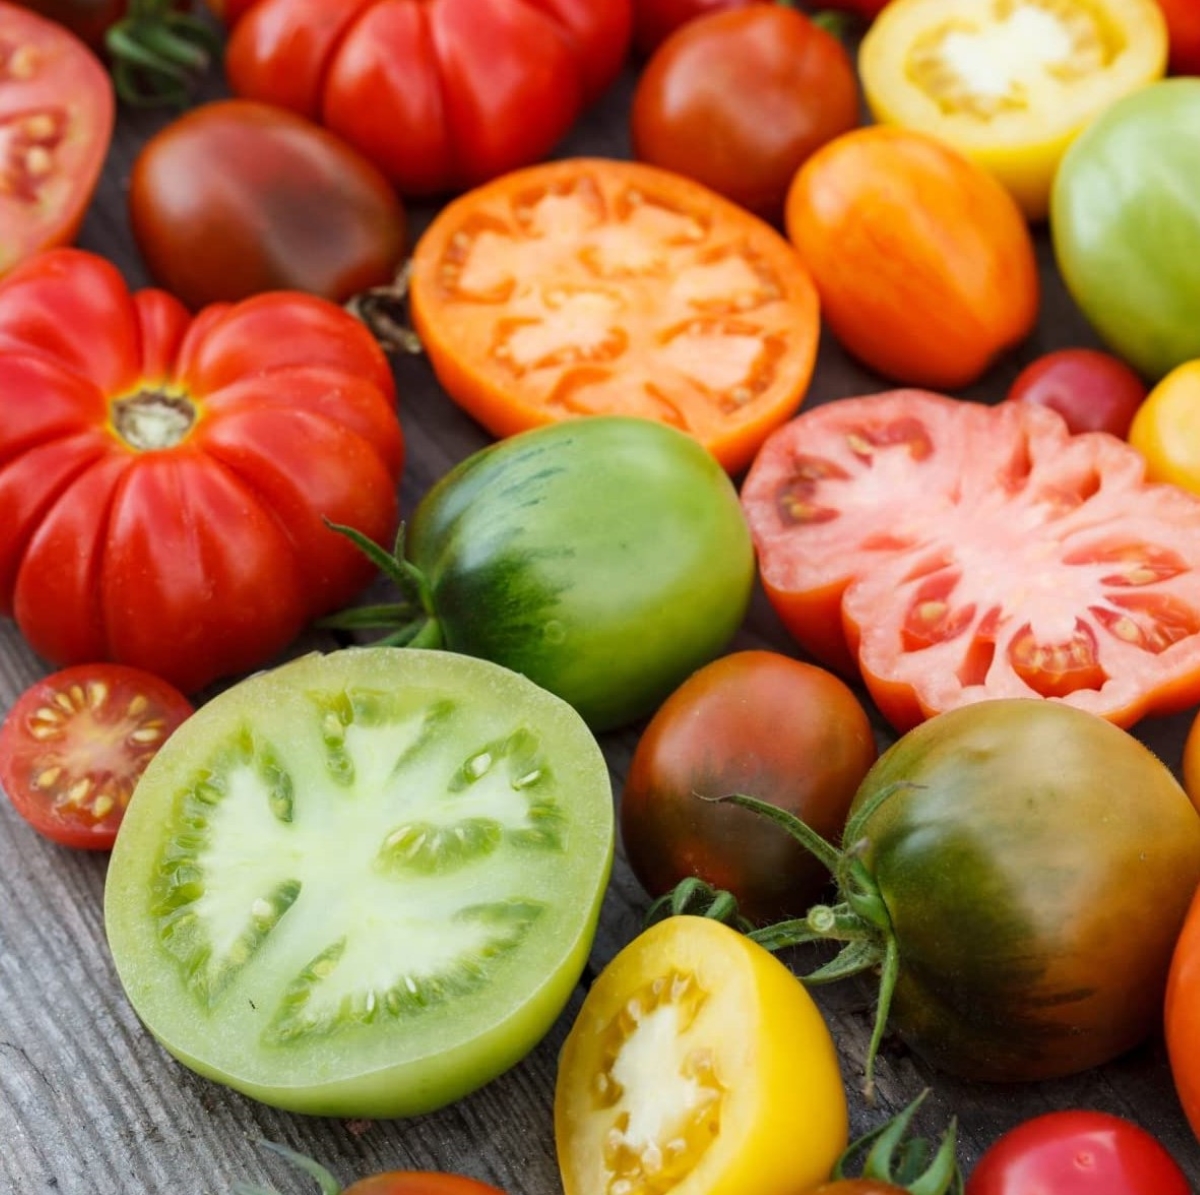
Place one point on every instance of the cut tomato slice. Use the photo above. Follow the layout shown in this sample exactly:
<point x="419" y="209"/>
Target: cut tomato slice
<point x="591" y="286"/>
<point x="954" y="552"/>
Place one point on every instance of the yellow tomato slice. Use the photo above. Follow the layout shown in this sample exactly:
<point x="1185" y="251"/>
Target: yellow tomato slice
<point x="698" y="1065"/>
<point x="1009" y="82"/>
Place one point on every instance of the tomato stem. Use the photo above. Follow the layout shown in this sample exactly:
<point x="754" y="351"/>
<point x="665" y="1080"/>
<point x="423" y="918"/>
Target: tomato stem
<point x="156" y="52"/>
<point x="328" y="1184"/>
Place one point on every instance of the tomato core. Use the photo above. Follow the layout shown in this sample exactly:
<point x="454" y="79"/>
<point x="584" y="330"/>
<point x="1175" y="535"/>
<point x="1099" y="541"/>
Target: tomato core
<point x="150" y="420"/>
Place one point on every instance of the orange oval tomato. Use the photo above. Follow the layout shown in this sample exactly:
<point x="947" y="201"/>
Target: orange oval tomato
<point x="924" y="264"/>
<point x="596" y="286"/>
<point x="1181" y="1015"/>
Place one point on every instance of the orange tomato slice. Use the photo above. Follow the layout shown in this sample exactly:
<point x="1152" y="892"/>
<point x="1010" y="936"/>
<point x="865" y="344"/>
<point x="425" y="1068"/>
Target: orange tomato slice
<point x="594" y="286"/>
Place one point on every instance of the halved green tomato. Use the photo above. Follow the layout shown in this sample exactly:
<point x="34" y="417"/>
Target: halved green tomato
<point x="364" y="883"/>
<point x="1009" y="83"/>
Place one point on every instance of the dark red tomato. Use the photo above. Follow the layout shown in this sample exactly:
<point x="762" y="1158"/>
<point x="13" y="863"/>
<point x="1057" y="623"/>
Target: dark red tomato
<point x="1077" y="1152"/>
<point x="292" y="207"/>
<point x="1183" y="35"/>
<point x="56" y="120"/>
<point x="440" y="94"/>
<point x="739" y="100"/>
<point x="87" y="19"/>
<point x="655" y="20"/>
<point x="764" y="725"/>
<point x="74" y="744"/>
<point x="1092" y="390"/>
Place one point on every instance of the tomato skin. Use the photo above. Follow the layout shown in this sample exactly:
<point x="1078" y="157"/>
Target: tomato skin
<point x="738" y="100"/>
<point x="1166" y="428"/>
<point x="192" y="547"/>
<point x="1180" y="1020"/>
<point x="419" y="1182"/>
<point x="440" y="96"/>
<point x="97" y="725"/>
<point x="87" y="19"/>
<point x="1183" y="35"/>
<point x="1121" y="205"/>
<point x="336" y="226"/>
<point x="857" y="1186"/>
<point x="1191" y="762"/>
<point x="1077" y="1152"/>
<point x="655" y="20"/>
<point x="923" y="262"/>
<point x="760" y="724"/>
<point x="1092" y="390"/>
<point x="1012" y="825"/>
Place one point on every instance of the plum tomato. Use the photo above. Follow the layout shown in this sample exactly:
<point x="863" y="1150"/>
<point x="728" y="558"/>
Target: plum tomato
<point x="1166" y="428"/>
<point x="1092" y="390"/>
<point x="74" y="744"/>
<point x="654" y="20"/>
<point x="291" y="208"/>
<point x="737" y="100"/>
<point x="362" y="884"/>
<point x="697" y="1064"/>
<point x="763" y="725"/>
<point x="1077" y="1152"/>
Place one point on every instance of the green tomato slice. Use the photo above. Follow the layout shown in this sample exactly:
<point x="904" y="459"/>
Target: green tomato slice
<point x="364" y="883"/>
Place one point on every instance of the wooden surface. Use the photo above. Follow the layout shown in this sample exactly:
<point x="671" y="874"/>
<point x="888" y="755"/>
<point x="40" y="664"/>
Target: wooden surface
<point x="90" y="1105"/>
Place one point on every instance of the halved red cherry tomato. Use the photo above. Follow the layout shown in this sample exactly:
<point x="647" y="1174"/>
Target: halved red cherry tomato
<point x="955" y="552"/>
<point x="591" y="286"/>
<point x="56" y="120"/>
<point x="74" y="744"/>
<point x="1092" y="390"/>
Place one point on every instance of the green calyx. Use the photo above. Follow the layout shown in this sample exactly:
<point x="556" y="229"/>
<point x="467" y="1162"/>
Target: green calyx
<point x="328" y="1184"/>
<point x="157" y="51"/>
<point x="410" y="622"/>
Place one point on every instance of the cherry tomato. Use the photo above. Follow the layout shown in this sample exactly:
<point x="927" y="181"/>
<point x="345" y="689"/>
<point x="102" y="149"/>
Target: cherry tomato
<point x="1077" y="1152"/>
<point x="738" y="100"/>
<point x="1092" y="390"/>
<point x="74" y="744"/>
<point x="654" y="20"/>
<point x="292" y="207"/>
<point x="1183" y="35"/>
<point x="760" y="724"/>
<point x="1166" y="428"/>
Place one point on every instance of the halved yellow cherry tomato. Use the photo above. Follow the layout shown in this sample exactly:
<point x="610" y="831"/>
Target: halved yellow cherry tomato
<point x="1166" y="428"/>
<point x="1009" y="82"/>
<point x="698" y="1065"/>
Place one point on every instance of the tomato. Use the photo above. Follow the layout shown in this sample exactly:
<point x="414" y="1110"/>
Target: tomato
<point x="1122" y="205"/>
<point x="581" y="555"/>
<point x="1191" y="762"/>
<point x="954" y="552"/>
<point x="593" y="286"/>
<point x="698" y="1065"/>
<point x="1091" y="390"/>
<point x="1077" y="1152"/>
<point x="654" y="20"/>
<point x="440" y="94"/>
<point x="758" y="723"/>
<point x="166" y="480"/>
<point x="74" y="744"/>
<point x="1166" y="428"/>
<point x="738" y="100"/>
<point x="924" y="264"/>
<point x="1009" y="85"/>
<point x="1181" y="1016"/>
<point x="363" y="883"/>
<point x="1183" y="35"/>
<point x="56" y="112"/>
<point x="293" y="208"/>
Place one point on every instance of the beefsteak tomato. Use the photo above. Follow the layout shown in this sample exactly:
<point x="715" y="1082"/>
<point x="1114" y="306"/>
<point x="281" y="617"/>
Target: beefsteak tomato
<point x="923" y="262"/>
<point x="440" y="94"/>
<point x="955" y="552"/>
<point x="165" y="481"/>
<point x="597" y="286"/>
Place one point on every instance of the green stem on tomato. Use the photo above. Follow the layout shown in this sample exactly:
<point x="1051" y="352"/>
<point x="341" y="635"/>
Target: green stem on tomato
<point x="157" y="51"/>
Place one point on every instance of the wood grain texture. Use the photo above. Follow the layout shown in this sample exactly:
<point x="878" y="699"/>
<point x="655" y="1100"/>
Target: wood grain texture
<point x="90" y="1105"/>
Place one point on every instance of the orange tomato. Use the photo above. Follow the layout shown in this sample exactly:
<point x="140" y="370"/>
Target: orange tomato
<point x="924" y="264"/>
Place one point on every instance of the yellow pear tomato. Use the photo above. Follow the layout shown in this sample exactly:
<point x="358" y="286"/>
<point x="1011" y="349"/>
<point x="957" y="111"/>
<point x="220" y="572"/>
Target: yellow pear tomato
<point x="1166" y="428"/>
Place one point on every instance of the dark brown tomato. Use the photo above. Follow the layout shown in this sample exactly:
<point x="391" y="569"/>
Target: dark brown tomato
<point x="764" y="725"/>
<point x="236" y="197"/>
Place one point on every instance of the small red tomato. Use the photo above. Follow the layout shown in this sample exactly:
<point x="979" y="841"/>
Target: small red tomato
<point x="1183" y="35"/>
<point x="1092" y="390"/>
<point x="655" y="20"/>
<point x="1077" y="1152"/>
<point x="75" y="743"/>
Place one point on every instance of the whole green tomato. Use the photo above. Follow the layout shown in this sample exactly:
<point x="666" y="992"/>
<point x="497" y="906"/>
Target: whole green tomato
<point x="1125" y="221"/>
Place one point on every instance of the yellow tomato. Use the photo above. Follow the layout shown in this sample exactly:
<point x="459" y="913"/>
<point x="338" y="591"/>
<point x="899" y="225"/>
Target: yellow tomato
<point x="1166" y="428"/>
<point x="1009" y="82"/>
<point x="1191" y="763"/>
<point x="698" y="1065"/>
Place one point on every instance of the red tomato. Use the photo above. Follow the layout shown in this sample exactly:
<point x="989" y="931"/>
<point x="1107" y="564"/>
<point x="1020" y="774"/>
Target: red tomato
<point x="166" y="480"/>
<point x="654" y="20"/>
<point x="1183" y="35"/>
<point x="738" y="100"/>
<point x="292" y="208"/>
<point x="440" y="94"/>
<point x="1077" y="1152"/>
<point x="56" y="119"/>
<point x="760" y="724"/>
<point x="955" y="552"/>
<point x="74" y="744"/>
<point x="1093" y="391"/>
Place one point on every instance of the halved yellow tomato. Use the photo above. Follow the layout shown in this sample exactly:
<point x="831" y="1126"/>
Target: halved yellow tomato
<point x="698" y="1065"/>
<point x="1009" y="82"/>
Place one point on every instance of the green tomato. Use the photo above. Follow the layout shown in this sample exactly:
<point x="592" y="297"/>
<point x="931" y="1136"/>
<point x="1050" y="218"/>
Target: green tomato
<point x="1125" y="224"/>
<point x="364" y="883"/>
<point x="606" y="558"/>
